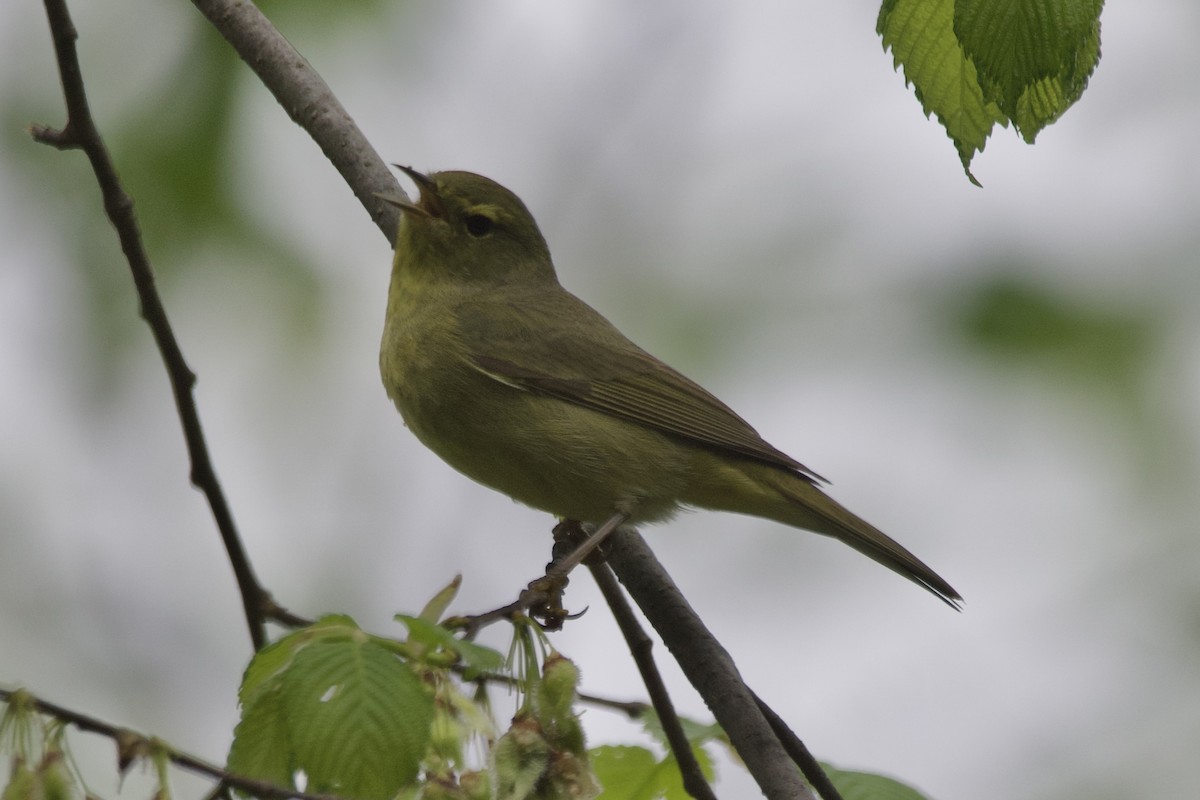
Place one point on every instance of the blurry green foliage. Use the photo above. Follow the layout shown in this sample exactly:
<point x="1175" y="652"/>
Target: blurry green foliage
<point x="1018" y="321"/>
<point x="1102" y="355"/>
<point x="174" y="147"/>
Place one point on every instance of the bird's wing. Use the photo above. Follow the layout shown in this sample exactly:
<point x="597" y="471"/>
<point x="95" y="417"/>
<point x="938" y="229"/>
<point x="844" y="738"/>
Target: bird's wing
<point x="591" y="364"/>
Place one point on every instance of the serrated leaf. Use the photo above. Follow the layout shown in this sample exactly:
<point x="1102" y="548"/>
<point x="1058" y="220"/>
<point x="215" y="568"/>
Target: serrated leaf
<point x="853" y="785"/>
<point x="1040" y="103"/>
<point x="1047" y="99"/>
<point x="266" y="667"/>
<point x="1034" y="57"/>
<point x="335" y="704"/>
<point x="920" y="34"/>
<point x="271" y="662"/>
<point x="974" y="63"/>
<point x="1015" y="43"/>
<point x="261" y="747"/>
<point x="359" y="719"/>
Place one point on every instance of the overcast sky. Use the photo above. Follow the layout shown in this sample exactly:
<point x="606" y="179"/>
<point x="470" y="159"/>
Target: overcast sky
<point x="751" y="192"/>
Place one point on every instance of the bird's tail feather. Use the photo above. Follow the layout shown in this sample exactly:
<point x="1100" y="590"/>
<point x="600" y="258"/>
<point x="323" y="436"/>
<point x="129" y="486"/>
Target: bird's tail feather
<point x="812" y="509"/>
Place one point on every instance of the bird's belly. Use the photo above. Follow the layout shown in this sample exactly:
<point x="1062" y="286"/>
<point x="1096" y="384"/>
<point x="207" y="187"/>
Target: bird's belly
<point x="544" y="452"/>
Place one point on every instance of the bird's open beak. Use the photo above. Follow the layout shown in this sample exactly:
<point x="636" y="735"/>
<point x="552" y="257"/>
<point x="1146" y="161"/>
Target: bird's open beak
<point x="429" y="203"/>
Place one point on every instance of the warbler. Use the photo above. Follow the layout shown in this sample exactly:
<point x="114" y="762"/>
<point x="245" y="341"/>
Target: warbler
<point x="520" y="385"/>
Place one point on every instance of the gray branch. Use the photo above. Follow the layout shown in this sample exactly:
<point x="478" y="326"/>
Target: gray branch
<point x="707" y="665"/>
<point x="310" y="103"/>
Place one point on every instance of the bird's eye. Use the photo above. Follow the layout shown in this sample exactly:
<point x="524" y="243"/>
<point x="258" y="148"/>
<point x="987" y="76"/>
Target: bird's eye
<point x="479" y="225"/>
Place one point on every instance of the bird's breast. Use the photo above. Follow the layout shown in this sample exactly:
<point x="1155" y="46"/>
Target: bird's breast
<point x="545" y="452"/>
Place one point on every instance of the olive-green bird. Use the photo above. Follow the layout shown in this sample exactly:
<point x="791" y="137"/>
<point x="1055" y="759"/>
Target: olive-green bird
<point x="522" y="386"/>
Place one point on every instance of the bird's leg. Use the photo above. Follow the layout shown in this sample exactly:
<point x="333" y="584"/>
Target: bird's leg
<point x="546" y="592"/>
<point x="560" y="568"/>
<point x="542" y="598"/>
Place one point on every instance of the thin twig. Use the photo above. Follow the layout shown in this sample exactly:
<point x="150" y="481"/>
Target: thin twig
<point x="795" y="748"/>
<point x="542" y="597"/>
<point x="633" y="709"/>
<point x="708" y="667"/>
<point x="132" y="744"/>
<point x="538" y="594"/>
<point x="277" y="613"/>
<point x="640" y="647"/>
<point x="80" y="132"/>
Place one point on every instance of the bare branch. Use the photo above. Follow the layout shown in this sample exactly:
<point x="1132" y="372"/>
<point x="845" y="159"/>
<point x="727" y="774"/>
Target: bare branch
<point x="310" y="103"/>
<point x="707" y="665"/>
<point x="131" y="745"/>
<point x="640" y="646"/>
<point x="541" y="599"/>
<point x="80" y="133"/>
<point x="799" y="752"/>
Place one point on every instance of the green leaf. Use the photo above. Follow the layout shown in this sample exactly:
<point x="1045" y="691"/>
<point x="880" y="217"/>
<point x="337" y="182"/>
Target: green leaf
<point x="867" y="786"/>
<point x="974" y="63"/>
<point x="360" y="719"/>
<point x="437" y="605"/>
<point x="635" y="773"/>
<point x="920" y="34"/>
<point x="1021" y="321"/>
<point x="337" y="705"/>
<point x="626" y="773"/>
<point x="1034" y="57"/>
<point x="276" y="657"/>
<point x="697" y="733"/>
<point x="673" y="778"/>
<point x="1044" y="101"/>
<point x="260" y="746"/>
<point x="475" y="657"/>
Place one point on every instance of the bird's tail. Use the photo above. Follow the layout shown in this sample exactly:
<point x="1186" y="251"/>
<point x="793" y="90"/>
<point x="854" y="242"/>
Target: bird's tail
<point x="809" y="508"/>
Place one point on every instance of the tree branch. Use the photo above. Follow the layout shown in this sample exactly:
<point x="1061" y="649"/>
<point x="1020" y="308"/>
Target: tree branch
<point x="132" y="745"/>
<point x="80" y="132"/>
<point x="707" y="665"/>
<point x="799" y="752"/>
<point x="640" y="646"/>
<point x="310" y="103"/>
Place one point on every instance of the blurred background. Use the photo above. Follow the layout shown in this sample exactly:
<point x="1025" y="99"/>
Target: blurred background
<point x="1005" y="379"/>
